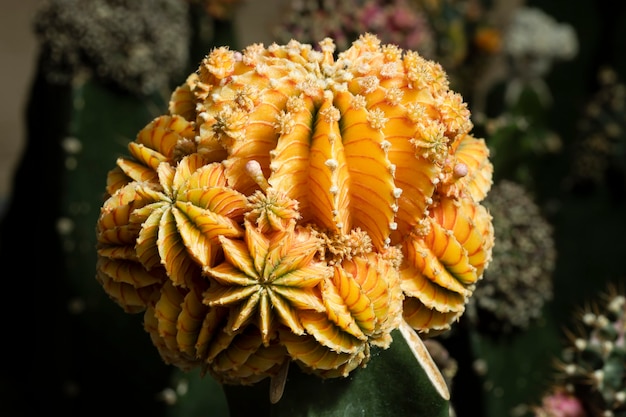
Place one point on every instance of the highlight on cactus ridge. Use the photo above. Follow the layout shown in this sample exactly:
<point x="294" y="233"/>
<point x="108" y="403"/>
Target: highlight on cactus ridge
<point x="298" y="205"/>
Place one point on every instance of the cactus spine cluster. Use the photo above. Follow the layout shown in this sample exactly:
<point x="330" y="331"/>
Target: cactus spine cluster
<point x="592" y="370"/>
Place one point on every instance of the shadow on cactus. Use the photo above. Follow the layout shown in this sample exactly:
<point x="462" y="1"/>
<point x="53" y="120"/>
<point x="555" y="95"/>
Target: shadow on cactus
<point x="298" y="206"/>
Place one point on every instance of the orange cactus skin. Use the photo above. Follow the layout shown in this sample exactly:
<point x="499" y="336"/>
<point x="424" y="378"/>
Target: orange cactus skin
<point x="297" y="207"/>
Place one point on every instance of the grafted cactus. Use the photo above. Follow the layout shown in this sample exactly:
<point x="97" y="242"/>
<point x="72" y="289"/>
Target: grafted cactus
<point x="298" y="205"/>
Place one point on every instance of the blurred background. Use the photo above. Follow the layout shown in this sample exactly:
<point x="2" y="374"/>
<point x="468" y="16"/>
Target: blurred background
<point x="19" y="48"/>
<point x="544" y="80"/>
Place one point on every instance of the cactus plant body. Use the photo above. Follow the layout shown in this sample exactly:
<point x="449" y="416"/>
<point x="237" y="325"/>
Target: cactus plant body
<point x="297" y="205"/>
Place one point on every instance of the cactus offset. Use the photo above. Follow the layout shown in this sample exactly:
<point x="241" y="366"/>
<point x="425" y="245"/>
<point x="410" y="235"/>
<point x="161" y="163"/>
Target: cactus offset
<point x="297" y="207"/>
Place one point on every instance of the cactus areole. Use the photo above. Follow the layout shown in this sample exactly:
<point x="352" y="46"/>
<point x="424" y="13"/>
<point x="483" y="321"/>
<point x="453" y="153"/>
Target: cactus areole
<point x="298" y="205"/>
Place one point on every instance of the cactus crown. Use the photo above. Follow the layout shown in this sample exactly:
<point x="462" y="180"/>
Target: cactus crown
<point x="295" y="205"/>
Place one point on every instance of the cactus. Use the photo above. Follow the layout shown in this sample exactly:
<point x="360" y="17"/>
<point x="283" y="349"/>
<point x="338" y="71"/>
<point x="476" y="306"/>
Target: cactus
<point x="592" y="366"/>
<point x="83" y="355"/>
<point x="139" y="47"/>
<point x="513" y="291"/>
<point x="294" y="208"/>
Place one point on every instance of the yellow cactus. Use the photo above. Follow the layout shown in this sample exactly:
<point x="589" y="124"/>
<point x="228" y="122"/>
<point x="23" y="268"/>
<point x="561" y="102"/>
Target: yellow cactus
<point x="298" y="205"/>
